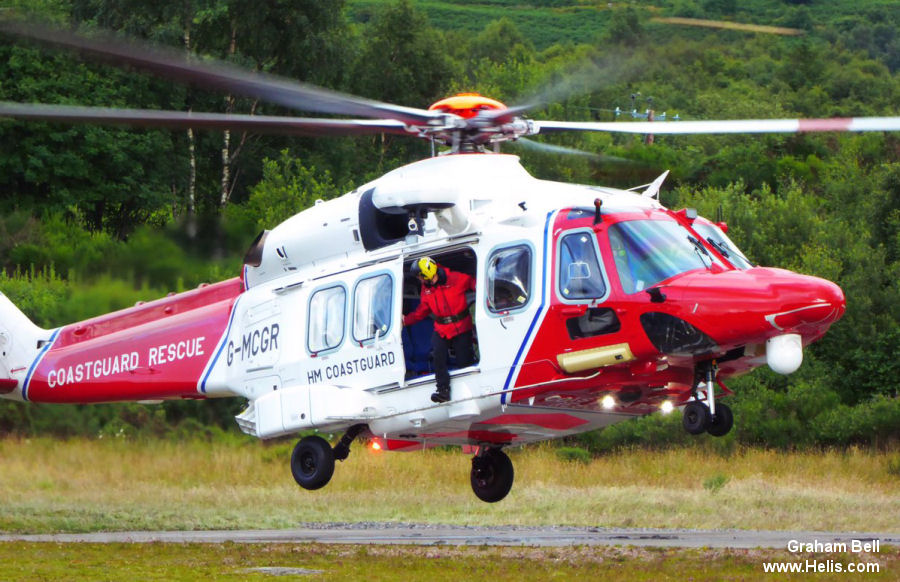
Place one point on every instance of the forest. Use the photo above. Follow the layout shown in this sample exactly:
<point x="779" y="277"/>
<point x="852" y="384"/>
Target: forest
<point x="94" y="219"/>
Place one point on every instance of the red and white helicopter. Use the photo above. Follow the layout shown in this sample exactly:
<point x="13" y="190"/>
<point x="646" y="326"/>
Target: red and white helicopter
<point x="593" y="305"/>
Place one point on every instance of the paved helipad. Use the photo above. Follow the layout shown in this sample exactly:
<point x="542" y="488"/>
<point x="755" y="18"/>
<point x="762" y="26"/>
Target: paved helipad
<point x="428" y="534"/>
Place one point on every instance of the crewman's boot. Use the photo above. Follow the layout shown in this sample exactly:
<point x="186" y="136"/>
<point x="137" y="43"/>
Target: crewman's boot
<point x="441" y="395"/>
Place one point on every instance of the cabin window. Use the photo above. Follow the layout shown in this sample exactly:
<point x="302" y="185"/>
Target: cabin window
<point x="509" y="278"/>
<point x="372" y="300"/>
<point x="580" y="276"/>
<point x="326" y="318"/>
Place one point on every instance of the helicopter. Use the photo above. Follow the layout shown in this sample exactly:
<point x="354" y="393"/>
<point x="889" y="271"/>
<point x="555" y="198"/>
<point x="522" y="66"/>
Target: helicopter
<point x="592" y="304"/>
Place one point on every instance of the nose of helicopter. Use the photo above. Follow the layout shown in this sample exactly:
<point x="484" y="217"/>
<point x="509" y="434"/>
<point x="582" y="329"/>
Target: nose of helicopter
<point x="808" y="304"/>
<point x="738" y="308"/>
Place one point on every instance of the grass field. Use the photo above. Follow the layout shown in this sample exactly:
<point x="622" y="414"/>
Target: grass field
<point x="92" y="485"/>
<point x="25" y="562"/>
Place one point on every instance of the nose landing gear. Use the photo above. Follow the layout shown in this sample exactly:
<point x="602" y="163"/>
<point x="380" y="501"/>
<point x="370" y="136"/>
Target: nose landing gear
<point x="721" y="421"/>
<point x="714" y="418"/>
<point x="697" y="417"/>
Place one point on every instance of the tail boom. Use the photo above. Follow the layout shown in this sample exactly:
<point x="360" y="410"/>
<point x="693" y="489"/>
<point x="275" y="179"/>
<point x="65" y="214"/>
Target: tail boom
<point x="158" y="350"/>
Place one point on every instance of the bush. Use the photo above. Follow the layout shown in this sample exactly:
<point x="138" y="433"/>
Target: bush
<point x="715" y="483"/>
<point x="875" y="422"/>
<point x="574" y="454"/>
<point x="803" y="415"/>
<point x="654" y="431"/>
<point x="893" y="466"/>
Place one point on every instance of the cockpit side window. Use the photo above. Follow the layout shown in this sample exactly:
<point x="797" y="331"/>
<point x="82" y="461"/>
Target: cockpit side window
<point x="372" y="300"/>
<point x="580" y="276"/>
<point x="509" y="278"/>
<point x="326" y="319"/>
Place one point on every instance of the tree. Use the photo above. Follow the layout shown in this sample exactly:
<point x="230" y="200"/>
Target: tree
<point x="114" y="177"/>
<point x="625" y="27"/>
<point x="303" y="42"/>
<point x="402" y="59"/>
<point x="117" y="178"/>
<point x="501" y="41"/>
<point x="287" y="188"/>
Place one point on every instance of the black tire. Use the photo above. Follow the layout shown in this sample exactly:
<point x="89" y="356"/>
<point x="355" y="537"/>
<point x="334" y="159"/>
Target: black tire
<point x="696" y="417"/>
<point x="721" y="422"/>
<point x="492" y="475"/>
<point x="312" y="462"/>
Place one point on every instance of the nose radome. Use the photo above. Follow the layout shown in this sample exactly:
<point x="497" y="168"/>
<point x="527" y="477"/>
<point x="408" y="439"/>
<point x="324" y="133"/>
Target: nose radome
<point x="806" y="302"/>
<point x="748" y="307"/>
<point x="835" y="295"/>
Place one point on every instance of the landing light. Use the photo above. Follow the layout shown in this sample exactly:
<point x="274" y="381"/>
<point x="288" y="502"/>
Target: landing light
<point x="608" y="402"/>
<point x="375" y="446"/>
<point x="666" y="407"/>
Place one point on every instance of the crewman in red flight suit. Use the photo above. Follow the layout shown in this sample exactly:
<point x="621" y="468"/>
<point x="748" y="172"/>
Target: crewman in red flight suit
<point x="444" y="298"/>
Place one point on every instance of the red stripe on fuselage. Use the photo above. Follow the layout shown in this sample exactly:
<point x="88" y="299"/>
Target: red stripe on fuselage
<point x="153" y="351"/>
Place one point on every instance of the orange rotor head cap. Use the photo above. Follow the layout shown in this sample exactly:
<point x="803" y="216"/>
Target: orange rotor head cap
<point x="466" y="105"/>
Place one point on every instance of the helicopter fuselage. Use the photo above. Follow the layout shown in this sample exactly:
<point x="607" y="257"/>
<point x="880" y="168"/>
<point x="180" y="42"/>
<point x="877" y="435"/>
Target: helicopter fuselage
<point x="586" y="314"/>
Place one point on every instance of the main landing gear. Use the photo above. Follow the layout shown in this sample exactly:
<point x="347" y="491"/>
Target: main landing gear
<point x="312" y="462"/>
<point x="714" y="418"/>
<point x="312" y="465"/>
<point x="492" y="474"/>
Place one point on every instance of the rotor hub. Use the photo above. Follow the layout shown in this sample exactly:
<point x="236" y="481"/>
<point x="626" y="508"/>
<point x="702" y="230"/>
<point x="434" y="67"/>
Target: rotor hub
<point x="466" y="105"/>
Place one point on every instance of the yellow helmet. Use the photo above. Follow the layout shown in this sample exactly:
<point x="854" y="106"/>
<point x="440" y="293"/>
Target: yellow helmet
<point x="425" y="268"/>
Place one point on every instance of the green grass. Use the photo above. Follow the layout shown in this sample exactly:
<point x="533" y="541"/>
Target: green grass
<point x="94" y="485"/>
<point x="88" y="485"/>
<point x="45" y="561"/>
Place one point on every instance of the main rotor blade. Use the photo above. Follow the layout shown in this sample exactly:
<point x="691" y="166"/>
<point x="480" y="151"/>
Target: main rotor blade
<point x="558" y="149"/>
<point x="184" y="120"/>
<point x="589" y="74"/>
<point x="733" y="126"/>
<point x="495" y="117"/>
<point x="175" y="65"/>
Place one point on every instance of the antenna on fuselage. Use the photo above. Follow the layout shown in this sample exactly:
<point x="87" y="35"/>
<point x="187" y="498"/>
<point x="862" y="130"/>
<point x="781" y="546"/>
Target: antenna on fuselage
<point x="652" y="190"/>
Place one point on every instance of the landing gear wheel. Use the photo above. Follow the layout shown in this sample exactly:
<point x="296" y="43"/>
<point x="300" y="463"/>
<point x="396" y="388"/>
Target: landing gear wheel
<point x="696" y="417"/>
<point x="492" y="475"/>
<point x="721" y="423"/>
<point x="312" y="462"/>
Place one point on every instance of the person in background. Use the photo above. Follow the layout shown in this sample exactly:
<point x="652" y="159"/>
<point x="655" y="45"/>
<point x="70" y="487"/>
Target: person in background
<point x="444" y="299"/>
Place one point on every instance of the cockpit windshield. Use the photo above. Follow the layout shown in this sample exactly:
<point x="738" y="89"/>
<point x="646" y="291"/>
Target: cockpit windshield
<point x="649" y="251"/>
<point x="717" y="238"/>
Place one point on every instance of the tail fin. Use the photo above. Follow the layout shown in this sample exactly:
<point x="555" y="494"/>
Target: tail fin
<point x="19" y="339"/>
